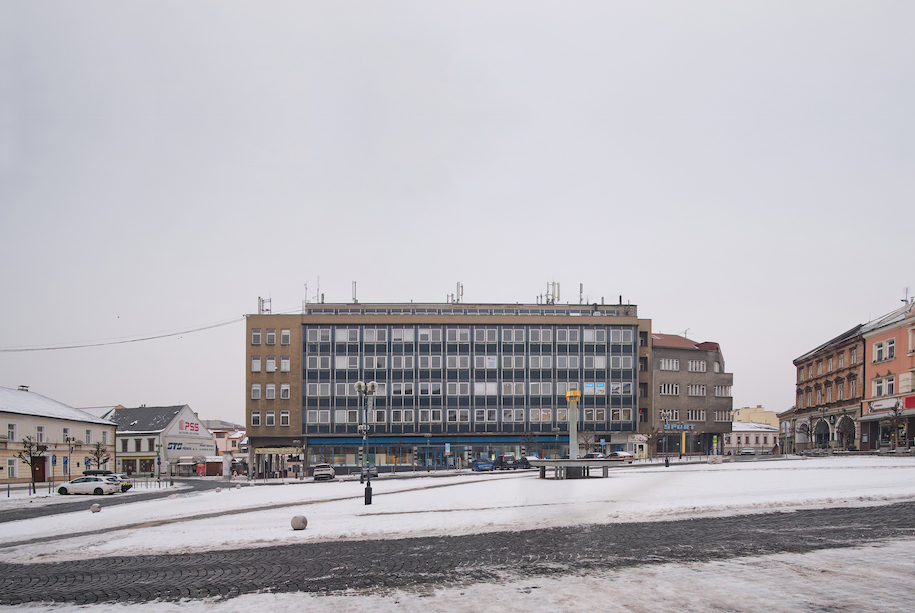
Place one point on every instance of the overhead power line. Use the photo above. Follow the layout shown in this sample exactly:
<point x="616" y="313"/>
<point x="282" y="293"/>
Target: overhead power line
<point x="121" y="342"/>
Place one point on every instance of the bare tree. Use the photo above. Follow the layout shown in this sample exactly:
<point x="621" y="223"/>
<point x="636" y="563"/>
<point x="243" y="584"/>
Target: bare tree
<point x="30" y="455"/>
<point x="896" y="419"/>
<point x="99" y="453"/>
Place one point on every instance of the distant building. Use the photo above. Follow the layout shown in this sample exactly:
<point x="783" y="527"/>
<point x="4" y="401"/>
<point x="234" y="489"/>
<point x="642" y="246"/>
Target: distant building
<point x="888" y="417"/>
<point x="757" y="414"/>
<point x="691" y="395"/>
<point x="762" y="438"/>
<point x="169" y="437"/>
<point x="835" y="379"/>
<point x="228" y="438"/>
<point x="65" y="437"/>
<point x="455" y="382"/>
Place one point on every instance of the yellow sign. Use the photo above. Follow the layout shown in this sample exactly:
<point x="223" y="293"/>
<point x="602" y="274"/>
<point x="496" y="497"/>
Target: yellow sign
<point x="277" y="450"/>
<point x="573" y="395"/>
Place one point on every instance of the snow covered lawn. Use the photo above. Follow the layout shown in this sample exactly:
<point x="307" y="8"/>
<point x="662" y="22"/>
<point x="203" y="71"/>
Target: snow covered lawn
<point x="257" y="515"/>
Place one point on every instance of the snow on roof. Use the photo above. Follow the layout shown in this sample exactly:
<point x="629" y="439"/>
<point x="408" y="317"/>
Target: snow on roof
<point x="145" y="419"/>
<point x="752" y="426"/>
<point x="25" y="402"/>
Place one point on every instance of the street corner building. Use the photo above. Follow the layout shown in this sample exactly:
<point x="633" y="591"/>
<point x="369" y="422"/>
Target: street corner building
<point x="163" y="441"/>
<point x="455" y="382"/>
<point x="47" y="440"/>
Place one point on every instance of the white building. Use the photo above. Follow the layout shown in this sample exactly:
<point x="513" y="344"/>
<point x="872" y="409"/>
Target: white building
<point x="171" y="438"/>
<point x="65" y="437"/>
<point x="762" y="438"/>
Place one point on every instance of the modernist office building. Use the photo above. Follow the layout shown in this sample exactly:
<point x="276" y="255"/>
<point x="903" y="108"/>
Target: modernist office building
<point x="455" y="382"/>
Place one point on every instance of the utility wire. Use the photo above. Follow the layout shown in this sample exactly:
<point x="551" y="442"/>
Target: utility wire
<point x="107" y="343"/>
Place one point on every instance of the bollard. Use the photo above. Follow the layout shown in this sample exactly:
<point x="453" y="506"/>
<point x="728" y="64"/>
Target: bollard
<point x="666" y="461"/>
<point x="95" y="508"/>
<point x="238" y="486"/>
<point x="368" y="493"/>
<point x="218" y="489"/>
<point x="299" y="522"/>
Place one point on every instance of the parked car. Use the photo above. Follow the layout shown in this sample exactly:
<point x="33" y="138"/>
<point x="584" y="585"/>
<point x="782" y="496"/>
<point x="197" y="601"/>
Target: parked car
<point x="747" y="451"/>
<point x="523" y="462"/>
<point x="123" y="480"/>
<point x="505" y="462"/>
<point x="371" y="470"/>
<point x="480" y="465"/>
<point x="90" y="484"/>
<point x="621" y="456"/>
<point x="594" y="456"/>
<point x="324" y="471"/>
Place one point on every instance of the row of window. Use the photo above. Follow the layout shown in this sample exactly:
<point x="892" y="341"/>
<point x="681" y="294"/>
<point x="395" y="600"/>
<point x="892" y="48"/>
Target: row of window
<point x="42" y="434"/>
<point x="452" y="362"/>
<point x="694" y="415"/>
<point x="460" y="335"/>
<point x="673" y="389"/>
<point x="138" y="444"/>
<point x="269" y="418"/>
<point x="830" y="364"/>
<point x="746" y="439"/>
<point x="827" y="393"/>
<point x="691" y="365"/>
<point x="285" y="336"/>
<point x="479" y="388"/>
<point x="885" y="350"/>
<point x="408" y="416"/>
<point x="269" y="391"/>
<point x="270" y="363"/>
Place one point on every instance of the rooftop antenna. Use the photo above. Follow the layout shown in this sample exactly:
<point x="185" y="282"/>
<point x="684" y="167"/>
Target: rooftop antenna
<point x="552" y="292"/>
<point x="907" y="295"/>
<point x="263" y="305"/>
<point x="458" y="294"/>
<point x="355" y="301"/>
<point x="685" y="333"/>
<point x="581" y="293"/>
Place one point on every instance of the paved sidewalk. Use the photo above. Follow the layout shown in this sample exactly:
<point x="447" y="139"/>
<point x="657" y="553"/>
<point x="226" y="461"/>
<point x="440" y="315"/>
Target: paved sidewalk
<point x="372" y="565"/>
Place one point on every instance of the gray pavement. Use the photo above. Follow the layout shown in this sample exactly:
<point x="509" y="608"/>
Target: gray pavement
<point x="429" y="562"/>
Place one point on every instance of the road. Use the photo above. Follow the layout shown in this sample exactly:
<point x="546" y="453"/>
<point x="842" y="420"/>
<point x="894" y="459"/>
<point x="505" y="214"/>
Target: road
<point x="370" y="565"/>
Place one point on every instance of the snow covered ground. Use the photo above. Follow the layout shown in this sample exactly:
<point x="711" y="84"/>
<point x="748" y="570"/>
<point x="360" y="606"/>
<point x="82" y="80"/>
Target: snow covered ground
<point x="257" y="515"/>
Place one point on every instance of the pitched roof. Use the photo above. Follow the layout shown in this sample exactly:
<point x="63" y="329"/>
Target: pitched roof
<point x="681" y="342"/>
<point x="25" y="402"/>
<point x="144" y="419"/>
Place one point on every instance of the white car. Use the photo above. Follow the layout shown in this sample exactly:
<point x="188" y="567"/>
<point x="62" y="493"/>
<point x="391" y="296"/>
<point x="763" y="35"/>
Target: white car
<point x="324" y="471"/>
<point x="620" y="456"/>
<point x="92" y="484"/>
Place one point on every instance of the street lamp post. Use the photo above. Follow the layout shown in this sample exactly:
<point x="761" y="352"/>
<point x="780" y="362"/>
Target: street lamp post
<point x="368" y="392"/>
<point x="158" y="464"/>
<point x="69" y="441"/>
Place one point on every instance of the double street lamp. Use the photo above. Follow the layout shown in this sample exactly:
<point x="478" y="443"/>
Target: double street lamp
<point x="665" y="415"/>
<point x="367" y="390"/>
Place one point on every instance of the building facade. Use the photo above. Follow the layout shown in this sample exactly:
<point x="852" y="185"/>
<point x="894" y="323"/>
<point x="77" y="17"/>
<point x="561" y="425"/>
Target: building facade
<point x="849" y="390"/>
<point x="161" y="440"/>
<point x="692" y="401"/>
<point x="455" y="382"/>
<point x="888" y="419"/>
<point x="829" y="392"/>
<point x="66" y="438"/>
<point x="762" y="438"/>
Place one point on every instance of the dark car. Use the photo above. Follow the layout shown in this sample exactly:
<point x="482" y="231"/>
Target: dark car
<point x="523" y="462"/>
<point x="480" y="465"/>
<point x="505" y="462"/>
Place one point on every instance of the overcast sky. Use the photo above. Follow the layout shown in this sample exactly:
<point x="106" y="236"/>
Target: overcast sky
<point x="740" y="170"/>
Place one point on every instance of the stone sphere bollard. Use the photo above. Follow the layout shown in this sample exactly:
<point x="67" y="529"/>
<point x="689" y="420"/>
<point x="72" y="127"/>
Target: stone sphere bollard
<point x="299" y="522"/>
<point x="218" y="489"/>
<point x="95" y="508"/>
<point x="238" y="486"/>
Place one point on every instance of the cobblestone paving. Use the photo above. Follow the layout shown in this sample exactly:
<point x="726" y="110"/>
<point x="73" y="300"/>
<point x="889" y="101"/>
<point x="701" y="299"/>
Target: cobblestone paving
<point x="429" y="562"/>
